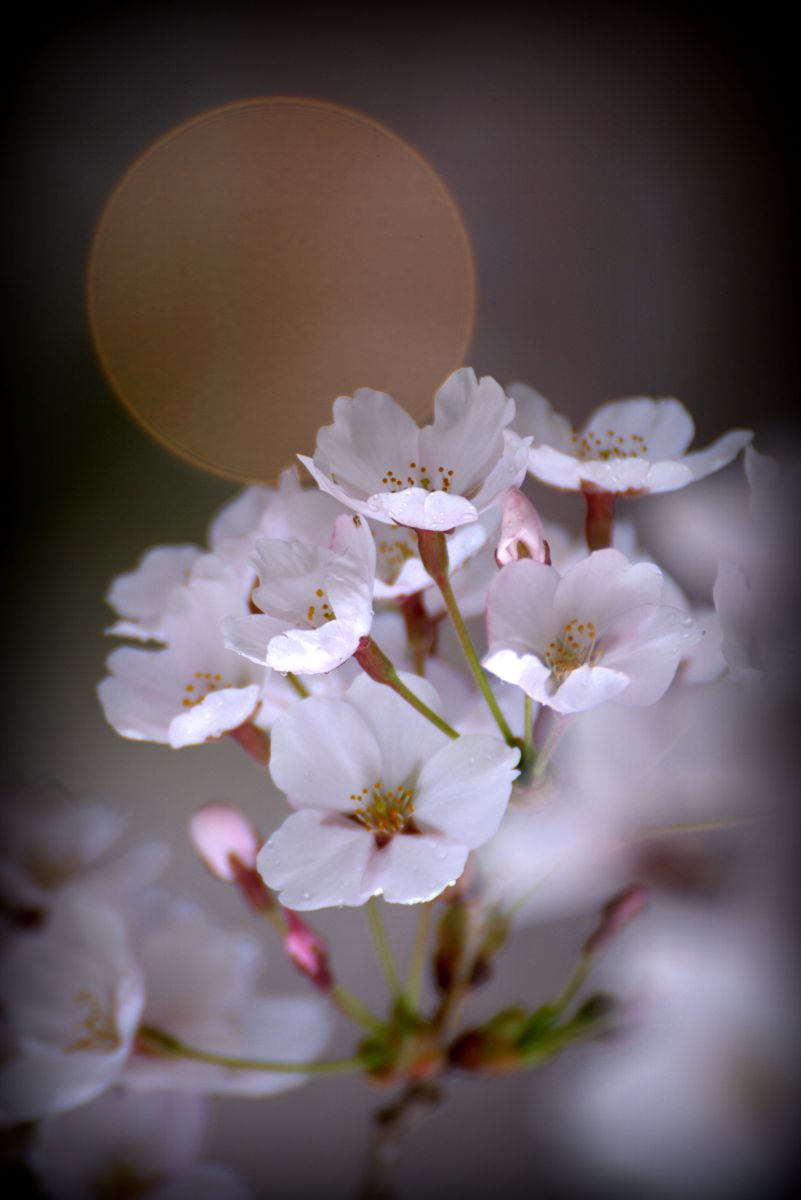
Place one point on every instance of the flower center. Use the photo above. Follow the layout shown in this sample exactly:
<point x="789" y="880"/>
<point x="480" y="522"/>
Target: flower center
<point x="438" y="480"/>
<point x="199" y="688"/>
<point x="606" y="445"/>
<point x="384" y="811"/>
<point x="393" y="553"/>
<point x="574" y="647"/>
<point x="320" y="610"/>
<point x="98" y="1031"/>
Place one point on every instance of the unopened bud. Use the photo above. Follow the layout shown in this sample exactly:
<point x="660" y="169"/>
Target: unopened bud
<point x="228" y="843"/>
<point x="221" y="832"/>
<point x="616" y="914"/>
<point x="522" y="533"/>
<point x="307" y="950"/>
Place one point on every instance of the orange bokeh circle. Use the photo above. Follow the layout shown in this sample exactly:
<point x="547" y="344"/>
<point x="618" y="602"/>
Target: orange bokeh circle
<point x="264" y="258"/>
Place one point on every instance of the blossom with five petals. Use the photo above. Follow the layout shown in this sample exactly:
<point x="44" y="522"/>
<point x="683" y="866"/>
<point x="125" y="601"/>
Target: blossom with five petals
<point x="630" y="447"/>
<point x="376" y="460"/>
<point x="386" y="804"/>
<point x="316" y="602"/>
<point x="599" y="632"/>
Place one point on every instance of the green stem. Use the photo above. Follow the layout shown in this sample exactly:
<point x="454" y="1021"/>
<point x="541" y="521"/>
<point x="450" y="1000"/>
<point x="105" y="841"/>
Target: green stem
<point x="352" y="1007"/>
<point x="415" y="982"/>
<point x="382" y="947"/>
<point x="167" y="1044"/>
<point x="574" y="983"/>
<point x="434" y="555"/>
<point x="298" y="685"/>
<point x="374" y="662"/>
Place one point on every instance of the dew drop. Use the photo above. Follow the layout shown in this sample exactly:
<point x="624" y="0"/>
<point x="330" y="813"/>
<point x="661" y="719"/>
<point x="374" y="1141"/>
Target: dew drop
<point x="307" y="895"/>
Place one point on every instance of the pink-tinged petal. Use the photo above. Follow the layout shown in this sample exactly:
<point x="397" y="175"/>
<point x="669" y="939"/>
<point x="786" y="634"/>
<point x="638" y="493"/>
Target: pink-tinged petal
<point x="322" y="751"/>
<point x="520" y="603"/>
<point x="418" y="509"/>
<point x="509" y="471"/>
<point x="668" y="476"/>
<point x="218" y="831"/>
<point x="663" y="428"/>
<point x="647" y="645"/>
<point x="602" y="586"/>
<point x="404" y="737"/>
<point x="370" y="436"/>
<point x="288" y="572"/>
<point x="353" y="537"/>
<point x="463" y="790"/>
<point x="317" y="860"/>
<point x="587" y="686"/>
<point x="316" y="651"/>
<point x="522" y="533"/>
<point x="525" y="671"/>
<point x="410" y="579"/>
<point x="250" y="635"/>
<point x="470" y="416"/>
<point x="337" y="491"/>
<point x="349" y="585"/>
<point x="213" y="716"/>
<point x="554" y="467"/>
<point x="703" y="462"/>
<point x="414" y="868"/>
<point x="140" y="596"/>
<point x="535" y="417"/>
<point x="140" y="696"/>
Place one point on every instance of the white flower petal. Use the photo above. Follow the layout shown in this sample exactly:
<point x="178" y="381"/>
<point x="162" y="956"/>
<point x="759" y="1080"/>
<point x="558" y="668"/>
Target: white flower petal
<point x="322" y="751"/>
<point x="703" y="462"/>
<point x="587" y="686"/>
<point x="521" y="598"/>
<point x="535" y="416"/>
<point x="215" y="715"/>
<point x="317" y="860"/>
<point x="526" y="671"/>
<point x="404" y="737"/>
<point x="665" y="426"/>
<point x="250" y="635"/>
<point x="647" y="645"/>
<point x="463" y="790"/>
<point x="419" y="509"/>
<point x="602" y="586"/>
<point x="412" y="869"/>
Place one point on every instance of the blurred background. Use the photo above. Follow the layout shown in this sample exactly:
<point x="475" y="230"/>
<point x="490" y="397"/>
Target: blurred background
<point x="625" y="176"/>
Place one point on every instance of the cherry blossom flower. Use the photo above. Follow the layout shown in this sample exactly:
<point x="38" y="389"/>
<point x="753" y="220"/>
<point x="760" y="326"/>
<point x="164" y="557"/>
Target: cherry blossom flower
<point x="376" y="460"/>
<point x="626" y="787"/>
<point x="386" y="804"/>
<point x="316" y="603"/>
<point x="695" y="1099"/>
<point x="72" y="995"/>
<point x="50" y="843"/>
<point x="140" y="597"/>
<point x="630" y="447"/>
<point x="288" y="511"/>
<point x="201" y="984"/>
<point x="196" y="688"/>
<point x="146" y="1145"/>
<point x="597" y="633"/>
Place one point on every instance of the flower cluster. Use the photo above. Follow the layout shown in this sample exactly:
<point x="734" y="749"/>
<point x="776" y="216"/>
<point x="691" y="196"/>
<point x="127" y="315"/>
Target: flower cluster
<point x="534" y="780"/>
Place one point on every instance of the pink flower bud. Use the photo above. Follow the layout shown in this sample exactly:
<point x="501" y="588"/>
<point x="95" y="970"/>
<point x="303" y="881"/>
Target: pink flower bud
<point x="221" y="833"/>
<point x="307" y="950"/>
<point x="522" y="534"/>
<point x="616" y="914"/>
